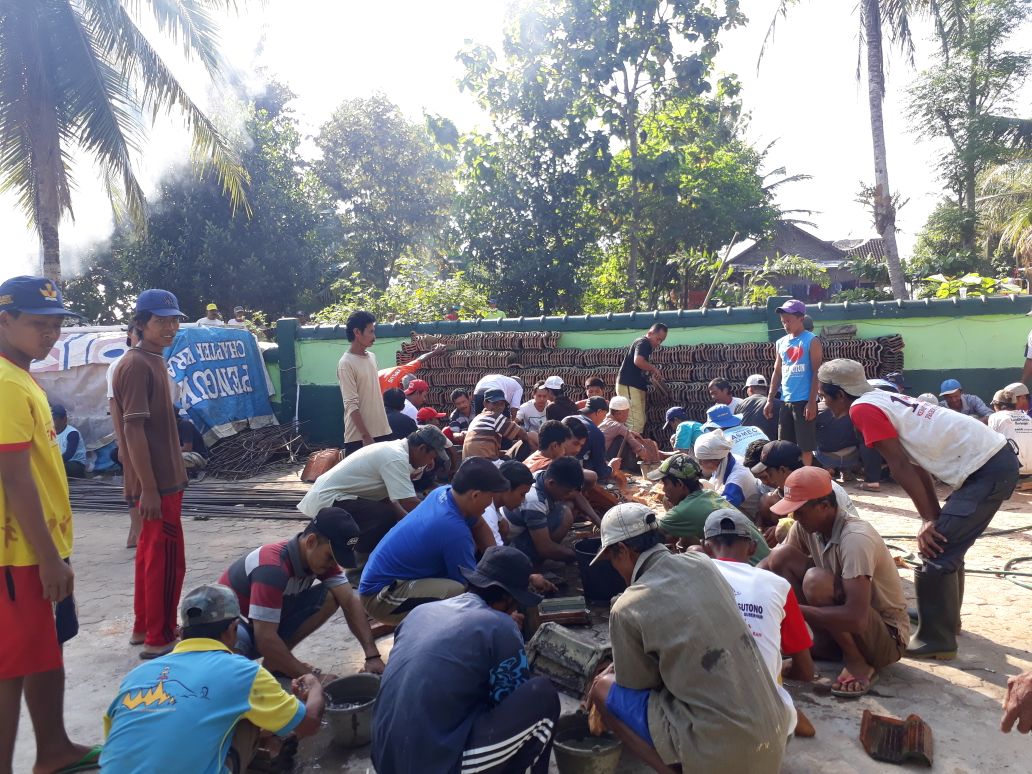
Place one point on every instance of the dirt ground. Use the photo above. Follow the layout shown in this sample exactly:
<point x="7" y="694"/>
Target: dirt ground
<point x="960" y="700"/>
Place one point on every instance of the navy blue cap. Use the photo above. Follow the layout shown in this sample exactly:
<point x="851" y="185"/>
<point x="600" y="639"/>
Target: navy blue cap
<point x="158" y="302"/>
<point x="493" y="395"/>
<point x="673" y="414"/>
<point x="33" y="295"/>
<point x="58" y="410"/>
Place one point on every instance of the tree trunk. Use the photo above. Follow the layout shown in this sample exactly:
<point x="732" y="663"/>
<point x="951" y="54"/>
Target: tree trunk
<point x="884" y="210"/>
<point x="633" y="248"/>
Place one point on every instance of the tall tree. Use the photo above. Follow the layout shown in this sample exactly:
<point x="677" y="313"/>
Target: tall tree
<point x="968" y="96"/>
<point x="81" y="74"/>
<point x="273" y="261"/>
<point x="392" y="184"/>
<point x="878" y="18"/>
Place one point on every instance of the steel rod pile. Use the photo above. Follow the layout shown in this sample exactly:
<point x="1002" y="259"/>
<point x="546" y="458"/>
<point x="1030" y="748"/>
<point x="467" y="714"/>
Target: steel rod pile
<point x="247" y="453"/>
<point x="208" y="498"/>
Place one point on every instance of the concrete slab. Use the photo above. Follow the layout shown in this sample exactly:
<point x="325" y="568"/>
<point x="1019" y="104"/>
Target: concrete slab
<point x="960" y="700"/>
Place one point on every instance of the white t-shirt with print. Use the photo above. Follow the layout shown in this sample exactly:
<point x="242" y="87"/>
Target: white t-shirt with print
<point x="1016" y="426"/>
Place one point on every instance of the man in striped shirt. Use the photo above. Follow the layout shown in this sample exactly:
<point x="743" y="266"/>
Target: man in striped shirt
<point x="488" y="429"/>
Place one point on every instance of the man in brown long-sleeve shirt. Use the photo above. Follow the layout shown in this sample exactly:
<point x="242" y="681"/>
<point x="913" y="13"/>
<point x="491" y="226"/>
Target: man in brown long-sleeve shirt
<point x="365" y="418"/>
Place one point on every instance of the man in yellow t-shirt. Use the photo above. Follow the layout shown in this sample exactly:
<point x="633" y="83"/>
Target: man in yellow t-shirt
<point x="37" y="612"/>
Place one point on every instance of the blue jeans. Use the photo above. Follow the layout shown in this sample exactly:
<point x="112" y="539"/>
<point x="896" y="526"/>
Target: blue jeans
<point x="296" y="610"/>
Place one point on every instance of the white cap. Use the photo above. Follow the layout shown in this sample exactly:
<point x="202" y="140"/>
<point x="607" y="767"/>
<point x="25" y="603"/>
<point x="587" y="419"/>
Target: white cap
<point x="756" y="380"/>
<point x="929" y="397"/>
<point x="554" y="383"/>
<point x="1017" y="389"/>
<point x="619" y="403"/>
<point x="623" y="522"/>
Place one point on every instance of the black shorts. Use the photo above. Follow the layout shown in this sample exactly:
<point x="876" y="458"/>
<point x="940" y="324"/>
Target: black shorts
<point x="794" y="427"/>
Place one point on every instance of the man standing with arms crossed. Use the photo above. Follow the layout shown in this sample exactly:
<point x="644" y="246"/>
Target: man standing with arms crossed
<point x="37" y="613"/>
<point x="633" y="380"/>
<point x="155" y="477"/>
<point x="365" y="418"/>
<point x="799" y="356"/>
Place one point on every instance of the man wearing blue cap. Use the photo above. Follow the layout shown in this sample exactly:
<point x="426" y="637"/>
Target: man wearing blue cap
<point x="147" y="429"/>
<point x="37" y="612"/>
<point x="799" y="356"/>
<point x="954" y="397"/>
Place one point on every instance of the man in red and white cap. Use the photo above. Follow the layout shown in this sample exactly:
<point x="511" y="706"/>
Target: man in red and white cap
<point x="845" y="579"/>
<point x="415" y="398"/>
<point x="919" y="440"/>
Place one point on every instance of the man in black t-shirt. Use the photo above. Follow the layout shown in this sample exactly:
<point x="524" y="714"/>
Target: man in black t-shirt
<point x="402" y="425"/>
<point x="751" y="409"/>
<point x="633" y="380"/>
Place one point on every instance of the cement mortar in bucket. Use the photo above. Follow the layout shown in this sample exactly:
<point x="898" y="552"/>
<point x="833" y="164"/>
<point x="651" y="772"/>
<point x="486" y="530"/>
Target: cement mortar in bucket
<point x="578" y="752"/>
<point x="349" y="708"/>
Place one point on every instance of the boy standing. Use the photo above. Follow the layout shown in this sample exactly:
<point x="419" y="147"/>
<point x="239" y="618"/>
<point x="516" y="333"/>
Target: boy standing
<point x="365" y="419"/>
<point x="146" y="426"/>
<point x="37" y="613"/>
<point x="799" y="357"/>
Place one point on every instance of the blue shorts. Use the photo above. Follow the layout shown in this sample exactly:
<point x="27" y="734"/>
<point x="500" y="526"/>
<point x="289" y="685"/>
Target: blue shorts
<point x="631" y="707"/>
<point x="296" y="610"/>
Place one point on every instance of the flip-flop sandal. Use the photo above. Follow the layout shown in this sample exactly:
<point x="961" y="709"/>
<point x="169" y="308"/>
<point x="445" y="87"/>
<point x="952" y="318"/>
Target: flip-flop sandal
<point x="147" y="655"/>
<point x="89" y="762"/>
<point x="137" y="639"/>
<point x="867" y="685"/>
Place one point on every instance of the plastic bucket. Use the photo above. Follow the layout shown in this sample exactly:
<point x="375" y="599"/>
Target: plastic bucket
<point x="349" y="708"/>
<point x="601" y="582"/>
<point x="578" y="752"/>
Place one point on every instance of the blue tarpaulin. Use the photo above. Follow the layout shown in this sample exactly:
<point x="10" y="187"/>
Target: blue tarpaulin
<point x="223" y="384"/>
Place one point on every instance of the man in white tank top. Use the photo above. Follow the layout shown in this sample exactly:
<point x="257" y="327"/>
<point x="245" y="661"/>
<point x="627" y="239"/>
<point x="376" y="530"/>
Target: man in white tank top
<point x="917" y="439"/>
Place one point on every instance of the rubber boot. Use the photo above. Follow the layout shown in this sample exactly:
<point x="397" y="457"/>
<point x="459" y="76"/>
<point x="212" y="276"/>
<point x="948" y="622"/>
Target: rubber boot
<point x="938" y="607"/>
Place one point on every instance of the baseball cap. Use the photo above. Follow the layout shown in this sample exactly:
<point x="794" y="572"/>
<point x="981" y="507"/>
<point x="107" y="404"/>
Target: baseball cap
<point x="847" y="374"/>
<point x="949" y="387"/>
<point x="595" y="403"/>
<point x="720" y="415"/>
<point x="427" y="413"/>
<point x="212" y="308"/>
<point x="158" y="302"/>
<point x="929" y="397"/>
<point x="207" y="604"/>
<point x="677" y="466"/>
<point x="492" y="396"/>
<point x="337" y="526"/>
<point x="417" y="385"/>
<point x="795" y="306"/>
<point x="777" y="454"/>
<point x="238" y="309"/>
<point x="884" y="385"/>
<point x="619" y="403"/>
<point x="33" y="295"/>
<point x="507" y="568"/>
<point x="58" y="410"/>
<point x="727" y="521"/>
<point x="1004" y="396"/>
<point x="896" y="377"/>
<point x="675" y="414"/>
<point x="433" y="437"/>
<point x="554" y="383"/>
<point x="756" y="380"/>
<point x="801" y="486"/>
<point x="492" y="300"/>
<point x="623" y="522"/>
<point x="1017" y="389"/>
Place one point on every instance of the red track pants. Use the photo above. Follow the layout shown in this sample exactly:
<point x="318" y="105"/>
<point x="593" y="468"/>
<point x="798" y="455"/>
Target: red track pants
<point x="160" y="569"/>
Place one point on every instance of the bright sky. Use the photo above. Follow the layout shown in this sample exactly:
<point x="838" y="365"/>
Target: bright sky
<point x="805" y="97"/>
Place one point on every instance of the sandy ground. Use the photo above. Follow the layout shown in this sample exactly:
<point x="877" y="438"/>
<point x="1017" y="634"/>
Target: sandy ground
<point x="960" y="699"/>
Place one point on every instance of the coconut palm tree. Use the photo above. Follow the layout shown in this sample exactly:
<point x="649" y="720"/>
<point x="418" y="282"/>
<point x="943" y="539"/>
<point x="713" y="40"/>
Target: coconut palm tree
<point x="876" y="18"/>
<point x="1006" y="205"/>
<point x="81" y="74"/>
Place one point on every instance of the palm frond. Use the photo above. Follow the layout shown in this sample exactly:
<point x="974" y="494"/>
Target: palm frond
<point x="117" y="34"/>
<point x="192" y="24"/>
<point x="782" y="11"/>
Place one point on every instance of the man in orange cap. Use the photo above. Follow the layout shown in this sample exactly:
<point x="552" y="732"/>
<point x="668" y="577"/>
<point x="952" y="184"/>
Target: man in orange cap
<point x="846" y="581"/>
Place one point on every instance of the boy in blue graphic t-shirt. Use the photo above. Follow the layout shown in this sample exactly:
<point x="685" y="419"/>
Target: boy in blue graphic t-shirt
<point x="799" y="356"/>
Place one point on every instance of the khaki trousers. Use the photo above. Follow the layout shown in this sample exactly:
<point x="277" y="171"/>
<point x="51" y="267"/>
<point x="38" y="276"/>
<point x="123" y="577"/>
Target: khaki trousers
<point x="392" y="603"/>
<point x="636" y="419"/>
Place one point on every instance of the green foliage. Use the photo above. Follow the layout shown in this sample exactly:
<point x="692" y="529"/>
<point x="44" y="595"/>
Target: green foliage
<point x="862" y="294"/>
<point x="414" y="294"/>
<point x="757" y="286"/>
<point x="195" y="245"/>
<point x="941" y="286"/>
<point x="392" y="185"/>
<point x="940" y="247"/>
<point x="605" y="284"/>
<point x="967" y="97"/>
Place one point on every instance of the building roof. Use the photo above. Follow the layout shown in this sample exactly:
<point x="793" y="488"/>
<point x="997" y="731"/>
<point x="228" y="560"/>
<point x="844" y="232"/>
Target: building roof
<point x="790" y="239"/>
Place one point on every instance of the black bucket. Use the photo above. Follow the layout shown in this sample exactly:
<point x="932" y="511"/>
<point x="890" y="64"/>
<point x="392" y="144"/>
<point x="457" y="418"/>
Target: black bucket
<point x="601" y="581"/>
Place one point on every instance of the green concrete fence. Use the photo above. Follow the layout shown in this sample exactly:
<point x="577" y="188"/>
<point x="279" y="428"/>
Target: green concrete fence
<point x="979" y="341"/>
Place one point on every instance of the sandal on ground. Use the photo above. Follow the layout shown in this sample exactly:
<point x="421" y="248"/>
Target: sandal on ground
<point x="866" y="686"/>
<point x="147" y="655"/>
<point x="137" y="639"/>
<point x="870" y="487"/>
<point x="89" y="762"/>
